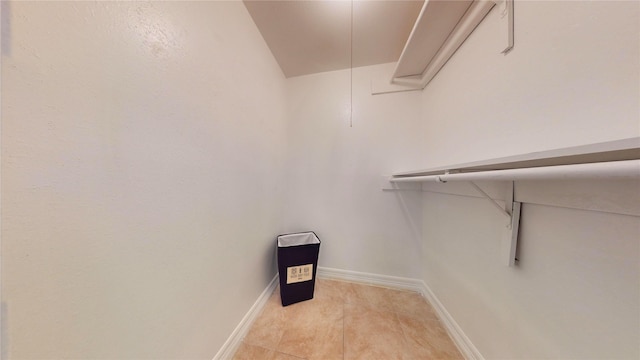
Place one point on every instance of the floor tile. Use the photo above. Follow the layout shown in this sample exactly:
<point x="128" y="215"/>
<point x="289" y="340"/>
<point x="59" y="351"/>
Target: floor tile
<point x="414" y="304"/>
<point x="426" y="339"/>
<point x="357" y="294"/>
<point x="281" y="356"/>
<point x="329" y="343"/>
<point x="386" y="299"/>
<point x="252" y="352"/>
<point x="371" y="334"/>
<point x="331" y="289"/>
<point x="308" y="323"/>
<point x="268" y="328"/>
<point x="346" y="321"/>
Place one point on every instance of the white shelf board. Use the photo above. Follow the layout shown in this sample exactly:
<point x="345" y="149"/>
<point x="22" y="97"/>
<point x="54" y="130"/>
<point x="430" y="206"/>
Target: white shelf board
<point x="434" y="25"/>
<point x="624" y="149"/>
<point x="441" y="28"/>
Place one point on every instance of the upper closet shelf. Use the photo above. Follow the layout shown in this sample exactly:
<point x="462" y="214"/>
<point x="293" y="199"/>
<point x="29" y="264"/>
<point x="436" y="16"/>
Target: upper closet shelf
<point x="620" y="158"/>
<point x="439" y="31"/>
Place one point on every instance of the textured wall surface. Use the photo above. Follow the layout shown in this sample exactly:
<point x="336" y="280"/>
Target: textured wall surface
<point x="334" y="177"/>
<point x="151" y="151"/>
<point x="572" y="79"/>
<point x="142" y="148"/>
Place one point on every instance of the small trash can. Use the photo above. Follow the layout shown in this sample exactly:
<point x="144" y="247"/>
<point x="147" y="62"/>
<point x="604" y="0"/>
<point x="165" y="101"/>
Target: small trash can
<point x="297" y="265"/>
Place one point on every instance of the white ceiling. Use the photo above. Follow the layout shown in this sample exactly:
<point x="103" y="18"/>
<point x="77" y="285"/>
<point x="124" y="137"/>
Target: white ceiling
<point x="311" y="36"/>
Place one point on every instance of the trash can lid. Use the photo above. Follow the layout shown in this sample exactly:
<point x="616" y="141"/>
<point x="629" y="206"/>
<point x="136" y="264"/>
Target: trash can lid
<point x="305" y="238"/>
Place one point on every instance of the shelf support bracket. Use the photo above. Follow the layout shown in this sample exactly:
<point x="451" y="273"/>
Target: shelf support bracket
<point x="505" y="7"/>
<point x="511" y="212"/>
<point x="502" y="211"/>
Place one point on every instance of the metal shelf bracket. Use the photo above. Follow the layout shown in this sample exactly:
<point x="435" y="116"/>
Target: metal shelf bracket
<point x="511" y="211"/>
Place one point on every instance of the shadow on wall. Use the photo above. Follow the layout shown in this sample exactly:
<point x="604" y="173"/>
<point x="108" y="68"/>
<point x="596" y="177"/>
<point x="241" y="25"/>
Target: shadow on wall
<point x="409" y="198"/>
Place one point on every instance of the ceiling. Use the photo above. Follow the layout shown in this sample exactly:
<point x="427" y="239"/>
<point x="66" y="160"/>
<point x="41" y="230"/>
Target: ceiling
<point x="311" y="36"/>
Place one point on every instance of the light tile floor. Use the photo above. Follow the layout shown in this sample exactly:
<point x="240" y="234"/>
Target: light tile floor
<point x="348" y="321"/>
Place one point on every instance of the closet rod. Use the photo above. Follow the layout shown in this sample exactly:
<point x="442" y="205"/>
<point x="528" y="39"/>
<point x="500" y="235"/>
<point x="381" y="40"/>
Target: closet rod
<point x="602" y="170"/>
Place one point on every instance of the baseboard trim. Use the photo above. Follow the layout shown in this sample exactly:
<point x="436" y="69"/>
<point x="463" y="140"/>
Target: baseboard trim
<point x="464" y="344"/>
<point x="466" y="347"/>
<point x="393" y="282"/>
<point x="233" y="342"/>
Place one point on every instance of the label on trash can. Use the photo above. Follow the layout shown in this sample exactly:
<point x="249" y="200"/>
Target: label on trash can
<point x="296" y="274"/>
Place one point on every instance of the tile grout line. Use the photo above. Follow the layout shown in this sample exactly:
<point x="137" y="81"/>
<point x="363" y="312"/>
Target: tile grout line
<point x="369" y="303"/>
<point x="344" y="315"/>
<point x="404" y="335"/>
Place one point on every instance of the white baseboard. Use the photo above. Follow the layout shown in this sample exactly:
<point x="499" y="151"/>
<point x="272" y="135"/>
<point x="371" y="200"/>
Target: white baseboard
<point x="393" y="282"/>
<point x="466" y="347"/>
<point x="233" y="342"/>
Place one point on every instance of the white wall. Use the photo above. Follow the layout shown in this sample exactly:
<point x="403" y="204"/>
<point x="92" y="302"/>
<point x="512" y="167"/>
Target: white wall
<point x="572" y="79"/>
<point x="144" y="178"/>
<point x="334" y="176"/>
<point x="142" y="159"/>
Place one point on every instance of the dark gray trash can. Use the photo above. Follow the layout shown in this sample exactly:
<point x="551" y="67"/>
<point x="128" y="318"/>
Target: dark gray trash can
<point x="297" y="265"/>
